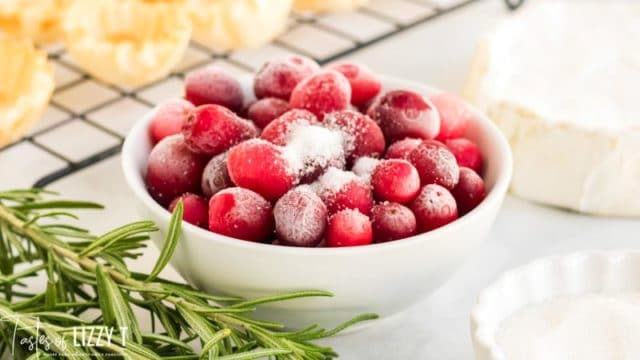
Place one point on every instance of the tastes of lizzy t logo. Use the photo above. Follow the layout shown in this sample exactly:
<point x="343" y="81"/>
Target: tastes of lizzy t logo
<point x="36" y="338"/>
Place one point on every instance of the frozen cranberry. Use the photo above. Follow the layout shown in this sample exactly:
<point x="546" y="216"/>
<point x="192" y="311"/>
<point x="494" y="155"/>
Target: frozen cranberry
<point x="214" y="85"/>
<point x="392" y="221"/>
<point x="168" y="119"/>
<point x="395" y="180"/>
<point x="278" y="77"/>
<point x="322" y="93"/>
<point x="195" y="209"/>
<point x="172" y="170"/>
<point x="467" y="153"/>
<point x="364" y="84"/>
<point x="364" y="137"/>
<point x="349" y="228"/>
<point x="454" y="115"/>
<point x="301" y="217"/>
<point x="240" y="213"/>
<point x="470" y="190"/>
<point x="401" y="149"/>
<point x="435" y="164"/>
<point x="341" y="190"/>
<point x="278" y="130"/>
<point x="259" y="165"/>
<point x="215" y="176"/>
<point x="264" y="111"/>
<point x="434" y="207"/>
<point x="213" y="129"/>
<point x="402" y="113"/>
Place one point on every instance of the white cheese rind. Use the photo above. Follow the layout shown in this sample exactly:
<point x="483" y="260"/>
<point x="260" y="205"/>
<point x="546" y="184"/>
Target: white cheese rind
<point x="574" y="131"/>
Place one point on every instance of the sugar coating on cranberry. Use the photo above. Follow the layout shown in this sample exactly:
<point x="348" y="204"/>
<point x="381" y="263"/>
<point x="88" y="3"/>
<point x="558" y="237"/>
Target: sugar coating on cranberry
<point x="363" y="135"/>
<point x="311" y="149"/>
<point x="341" y="190"/>
<point x="392" y="221"/>
<point x="264" y="111"/>
<point x="213" y="129"/>
<point x="401" y="149"/>
<point x="364" y="166"/>
<point x="467" y="153"/>
<point x="364" y="84"/>
<point x="470" y="190"/>
<point x="240" y="213"/>
<point x="215" y="176"/>
<point x="278" y="77"/>
<point x="455" y="115"/>
<point x="434" y="207"/>
<point x="260" y="166"/>
<point x="168" y="119"/>
<point x="435" y="164"/>
<point x="349" y="228"/>
<point x="321" y="93"/>
<point x="301" y="217"/>
<point x="277" y="132"/>
<point x="403" y="113"/>
<point x="173" y="169"/>
<point x="214" y="85"/>
<point x="395" y="180"/>
<point x="195" y="209"/>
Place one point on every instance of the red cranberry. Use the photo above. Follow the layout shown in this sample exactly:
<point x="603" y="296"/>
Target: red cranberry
<point x="349" y="228"/>
<point x="402" y="113"/>
<point x="435" y="164"/>
<point x="240" y="213"/>
<point x="364" y="84"/>
<point x="470" y="190"/>
<point x="434" y="207"/>
<point x="215" y="176"/>
<point x="454" y="115"/>
<point x="364" y="137"/>
<point x="172" y="170"/>
<point x="214" y="85"/>
<point x="301" y="217"/>
<point x="258" y="165"/>
<point x="395" y="180"/>
<point x="278" y="130"/>
<point x="392" y="221"/>
<point x="278" y="77"/>
<point x="467" y="153"/>
<point x="168" y="119"/>
<point x="195" y="209"/>
<point x="264" y="111"/>
<point x="401" y="149"/>
<point x="213" y="129"/>
<point x="341" y="190"/>
<point x="324" y="92"/>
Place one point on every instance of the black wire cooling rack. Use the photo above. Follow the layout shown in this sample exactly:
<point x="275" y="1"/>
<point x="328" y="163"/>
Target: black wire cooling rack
<point x="91" y="124"/>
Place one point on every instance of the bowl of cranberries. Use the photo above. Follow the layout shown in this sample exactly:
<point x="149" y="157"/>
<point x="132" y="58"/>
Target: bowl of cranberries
<point x="335" y="178"/>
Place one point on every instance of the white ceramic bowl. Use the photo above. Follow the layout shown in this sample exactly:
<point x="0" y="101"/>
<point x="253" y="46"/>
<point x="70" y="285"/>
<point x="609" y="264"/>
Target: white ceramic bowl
<point x="589" y="272"/>
<point x="382" y="278"/>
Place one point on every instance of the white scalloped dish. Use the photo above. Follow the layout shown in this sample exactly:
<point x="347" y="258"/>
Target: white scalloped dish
<point x="585" y="303"/>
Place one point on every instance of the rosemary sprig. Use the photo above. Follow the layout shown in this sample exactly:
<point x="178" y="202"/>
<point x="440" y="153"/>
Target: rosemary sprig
<point x="89" y="286"/>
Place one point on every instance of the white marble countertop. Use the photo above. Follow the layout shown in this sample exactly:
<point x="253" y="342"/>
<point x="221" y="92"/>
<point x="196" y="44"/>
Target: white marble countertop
<point x="437" y="53"/>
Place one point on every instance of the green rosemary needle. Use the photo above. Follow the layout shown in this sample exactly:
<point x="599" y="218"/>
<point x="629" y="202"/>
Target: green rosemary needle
<point x="89" y="287"/>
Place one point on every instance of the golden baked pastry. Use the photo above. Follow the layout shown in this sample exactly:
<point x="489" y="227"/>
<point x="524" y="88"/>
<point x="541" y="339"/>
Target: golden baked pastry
<point x="26" y="84"/>
<point x="127" y="42"/>
<point x="36" y="19"/>
<point x="322" y="6"/>
<point x="233" y="24"/>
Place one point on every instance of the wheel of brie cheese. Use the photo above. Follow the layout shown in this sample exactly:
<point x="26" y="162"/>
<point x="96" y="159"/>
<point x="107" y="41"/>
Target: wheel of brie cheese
<point x="25" y="87"/>
<point x="127" y="42"/>
<point x="561" y="80"/>
<point x="233" y="24"/>
<point x="322" y="6"/>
